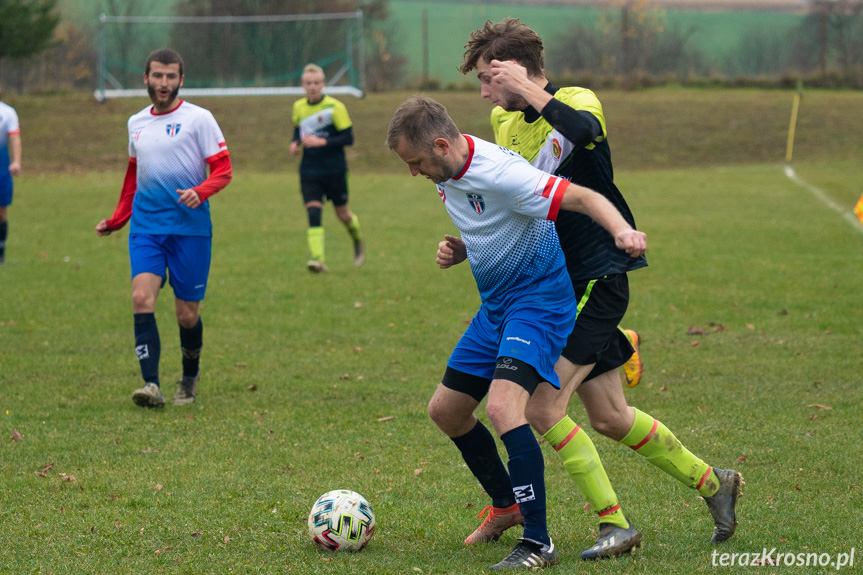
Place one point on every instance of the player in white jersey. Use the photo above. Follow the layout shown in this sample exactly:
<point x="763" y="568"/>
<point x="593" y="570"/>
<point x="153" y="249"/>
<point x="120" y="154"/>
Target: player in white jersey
<point x="10" y="165"/>
<point x="165" y="194"/>
<point x="503" y="209"/>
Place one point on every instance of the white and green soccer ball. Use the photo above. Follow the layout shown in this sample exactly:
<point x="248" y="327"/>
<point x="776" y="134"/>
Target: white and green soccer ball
<point x="341" y="520"/>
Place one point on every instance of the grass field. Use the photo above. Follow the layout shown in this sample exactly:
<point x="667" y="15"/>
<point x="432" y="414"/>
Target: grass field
<point x="312" y="383"/>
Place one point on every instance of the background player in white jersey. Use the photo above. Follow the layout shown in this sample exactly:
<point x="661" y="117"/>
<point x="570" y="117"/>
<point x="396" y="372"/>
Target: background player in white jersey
<point x="503" y="208"/>
<point x="10" y="165"/>
<point x="322" y="129"/>
<point x="165" y="194"/>
<point x="563" y="131"/>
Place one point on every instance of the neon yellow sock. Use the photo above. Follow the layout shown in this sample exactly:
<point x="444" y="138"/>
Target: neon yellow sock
<point x="651" y="439"/>
<point x="315" y="237"/>
<point x="582" y="463"/>
<point x="354" y="228"/>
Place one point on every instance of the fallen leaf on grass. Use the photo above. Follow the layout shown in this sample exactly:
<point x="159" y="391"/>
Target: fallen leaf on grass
<point x="16" y="436"/>
<point x="40" y="474"/>
<point x="226" y="539"/>
<point x="417" y="471"/>
<point x="158" y="487"/>
<point x="47" y="467"/>
<point x="695" y="331"/>
<point x="195" y="534"/>
<point x="819" y="406"/>
<point x="741" y="459"/>
<point x="240" y="364"/>
<point x="750" y="326"/>
<point x="813" y="416"/>
<point x="387" y="418"/>
<point x="69" y="478"/>
<point x="253" y="388"/>
<point x="783" y="539"/>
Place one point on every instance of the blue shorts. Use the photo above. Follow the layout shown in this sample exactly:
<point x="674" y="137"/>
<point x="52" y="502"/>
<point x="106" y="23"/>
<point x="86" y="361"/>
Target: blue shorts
<point x="528" y="332"/>
<point x="186" y="258"/>
<point x="5" y="190"/>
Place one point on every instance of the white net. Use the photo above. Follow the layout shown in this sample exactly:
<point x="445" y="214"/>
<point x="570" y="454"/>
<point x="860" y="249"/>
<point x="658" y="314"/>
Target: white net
<point x="234" y="55"/>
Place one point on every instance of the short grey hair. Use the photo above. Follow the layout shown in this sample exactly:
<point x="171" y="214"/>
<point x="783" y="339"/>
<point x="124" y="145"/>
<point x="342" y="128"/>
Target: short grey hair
<point x="420" y="121"/>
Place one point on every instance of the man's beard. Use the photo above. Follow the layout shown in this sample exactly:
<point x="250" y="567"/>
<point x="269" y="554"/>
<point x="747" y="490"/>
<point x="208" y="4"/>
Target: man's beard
<point x="152" y="92"/>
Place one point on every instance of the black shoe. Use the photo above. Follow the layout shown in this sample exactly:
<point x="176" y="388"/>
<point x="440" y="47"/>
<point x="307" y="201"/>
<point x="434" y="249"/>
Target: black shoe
<point x="722" y="504"/>
<point x="613" y="541"/>
<point x="528" y="554"/>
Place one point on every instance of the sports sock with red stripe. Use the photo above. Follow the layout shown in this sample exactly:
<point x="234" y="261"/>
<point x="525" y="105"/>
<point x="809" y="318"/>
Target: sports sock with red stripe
<point x="652" y="440"/>
<point x="582" y="463"/>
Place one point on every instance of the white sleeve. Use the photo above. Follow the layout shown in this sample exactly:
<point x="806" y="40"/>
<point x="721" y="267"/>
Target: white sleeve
<point x="532" y="192"/>
<point x="209" y="135"/>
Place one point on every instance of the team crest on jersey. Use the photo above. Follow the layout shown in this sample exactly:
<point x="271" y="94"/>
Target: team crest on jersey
<point x="555" y="148"/>
<point x="172" y="129"/>
<point x="477" y="202"/>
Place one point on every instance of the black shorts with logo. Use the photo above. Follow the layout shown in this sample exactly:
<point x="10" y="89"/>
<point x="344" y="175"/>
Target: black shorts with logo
<point x="320" y="188"/>
<point x="597" y="337"/>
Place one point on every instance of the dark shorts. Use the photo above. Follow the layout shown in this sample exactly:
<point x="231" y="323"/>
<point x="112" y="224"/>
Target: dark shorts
<point x="597" y="337"/>
<point x="517" y="371"/>
<point x="321" y="188"/>
<point x="5" y="190"/>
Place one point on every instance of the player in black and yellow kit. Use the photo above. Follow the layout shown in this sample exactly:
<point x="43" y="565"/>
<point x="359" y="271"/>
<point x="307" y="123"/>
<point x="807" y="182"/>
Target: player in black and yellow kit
<point x="322" y="128"/>
<point x="562" y="131"/>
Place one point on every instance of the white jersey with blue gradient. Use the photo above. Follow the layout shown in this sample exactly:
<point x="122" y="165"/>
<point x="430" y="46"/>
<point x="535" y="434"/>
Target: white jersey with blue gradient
<point x="171" y="151"/>
<point x="504" y="210"/>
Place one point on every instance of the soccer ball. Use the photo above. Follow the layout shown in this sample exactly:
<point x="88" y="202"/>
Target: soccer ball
<point x="341" y="520"/>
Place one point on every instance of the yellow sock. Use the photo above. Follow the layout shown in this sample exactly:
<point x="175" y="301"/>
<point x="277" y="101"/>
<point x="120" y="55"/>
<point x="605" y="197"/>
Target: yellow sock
<point x="582" y="463"/>
<point x="651" y="439"/>
<point x="315" y="237"/>
<point x="354" y="228"/>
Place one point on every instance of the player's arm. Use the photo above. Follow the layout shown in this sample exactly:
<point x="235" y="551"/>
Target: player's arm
<point x="451" y="251"/>
<point x="15" y="153"/>
<point x="123" y="211"/>
<point x="221" y="173"/>
<point x="585" y="201"/>
<point x="341" y="138"/>
<point x="578" y="126"/>
<point x="295" y="143"/>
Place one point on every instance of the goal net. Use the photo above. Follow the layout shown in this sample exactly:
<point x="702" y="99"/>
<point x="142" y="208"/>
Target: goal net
<point x="234" y="55"/>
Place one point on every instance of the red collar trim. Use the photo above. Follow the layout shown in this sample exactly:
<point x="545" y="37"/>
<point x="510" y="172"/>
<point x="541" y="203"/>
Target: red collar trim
<point x="174" y="109"/>
<point x="467" y="162"/>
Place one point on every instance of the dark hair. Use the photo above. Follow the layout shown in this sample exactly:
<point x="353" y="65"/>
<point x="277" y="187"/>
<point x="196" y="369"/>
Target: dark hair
<point x="506" y="40"/>
<point x="164" y="56"/>
<point x="420" y="121"/>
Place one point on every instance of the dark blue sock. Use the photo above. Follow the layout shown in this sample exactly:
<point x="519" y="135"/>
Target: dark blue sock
<point x="148" y="347"/>
<point x="479" y="451"/>
<point x="191" y="342"/>
<point x="4" y="231"/>
<point x="527" y="472"/>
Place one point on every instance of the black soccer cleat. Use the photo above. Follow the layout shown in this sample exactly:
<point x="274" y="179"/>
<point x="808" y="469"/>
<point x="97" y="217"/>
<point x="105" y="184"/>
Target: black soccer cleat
<point x="722" y="504"/>
<point x="613" y="541"/>
<point x="530" y="555"/>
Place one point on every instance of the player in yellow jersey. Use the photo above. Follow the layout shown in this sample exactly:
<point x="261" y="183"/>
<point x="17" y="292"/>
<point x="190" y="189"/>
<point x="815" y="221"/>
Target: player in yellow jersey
<point x="562" y="131"/>
<point x="322" y="129"/>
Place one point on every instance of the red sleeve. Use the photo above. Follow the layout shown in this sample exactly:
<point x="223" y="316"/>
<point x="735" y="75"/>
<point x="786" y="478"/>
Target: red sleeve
<point x="220" y="175"/>
<point x="123" y="211"/>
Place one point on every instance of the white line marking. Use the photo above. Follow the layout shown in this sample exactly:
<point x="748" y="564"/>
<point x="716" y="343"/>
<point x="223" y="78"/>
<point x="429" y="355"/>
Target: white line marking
<point x="825" y="199"/>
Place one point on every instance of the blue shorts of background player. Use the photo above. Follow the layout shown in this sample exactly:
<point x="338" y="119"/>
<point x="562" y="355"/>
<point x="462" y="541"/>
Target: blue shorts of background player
<point x="5" y="190"/>
<point x="183" y="259"/>
<point x="528" y="332"/>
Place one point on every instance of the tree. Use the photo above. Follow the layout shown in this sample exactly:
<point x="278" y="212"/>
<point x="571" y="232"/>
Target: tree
<point x="26" y="27"/>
